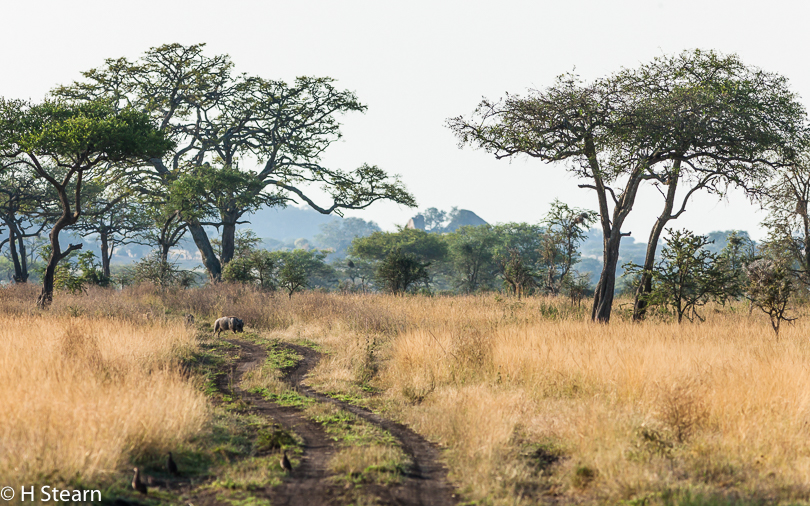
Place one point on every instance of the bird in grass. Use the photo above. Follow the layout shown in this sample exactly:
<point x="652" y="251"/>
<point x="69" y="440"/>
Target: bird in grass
<point x="285" y="463"/>
<point x="137" y="484"/>
<point x="171" y="467"/>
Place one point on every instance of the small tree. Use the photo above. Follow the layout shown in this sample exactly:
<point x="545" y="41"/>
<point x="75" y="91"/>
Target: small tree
<point x="155" y="270"/>
<point x="516" y="274"/>
<point x="471" y="252"/>
<point x="256" y="266"/>
<point x="687" y="277"/>
<point x="296" y="268"/>
<point x="770" y="288"/>
<point x="356" y="270"/>
<point x="737" y="254"/>
<point x="566" y="227"/>
<point x="398" y="271"/>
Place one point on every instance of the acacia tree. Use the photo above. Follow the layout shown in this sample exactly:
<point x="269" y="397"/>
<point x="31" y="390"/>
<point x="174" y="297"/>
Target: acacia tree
<point x="64" y="144"/>
<point x="517" y="276"/>
<point x="471" y="252"/>
<point x="787" y="222"/>
<point x="218" y="197"/>
<point x="565" y="228"/>
<point x="229" y="121"/>
<point x="770" y="287"/>
<point x="715" y="122"/>
<point x="575" y="122"/>
<point x="398" y="271"/>
<point x="614" y="134"/>
<point x="115" y="216"/>
<point x="26" y="209"/>
<point x="687" y="277"/>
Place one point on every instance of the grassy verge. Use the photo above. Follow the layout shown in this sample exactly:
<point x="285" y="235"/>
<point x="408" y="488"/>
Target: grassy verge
<point x="234" y="459"/>
<point x="367" y="453"/>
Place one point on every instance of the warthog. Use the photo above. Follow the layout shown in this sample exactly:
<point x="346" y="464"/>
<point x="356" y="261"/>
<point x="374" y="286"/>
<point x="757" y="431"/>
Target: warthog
<point x="190" y="319"/>
<point x="229" y="323"/>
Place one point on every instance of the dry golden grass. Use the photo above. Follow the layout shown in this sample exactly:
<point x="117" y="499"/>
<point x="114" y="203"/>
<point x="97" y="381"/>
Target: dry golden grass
<point x="529" y="399"/>
<point x="83" y="396"/>
<point x="634" y="410"/>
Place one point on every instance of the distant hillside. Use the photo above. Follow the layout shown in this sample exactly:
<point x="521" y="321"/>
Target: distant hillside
<point x="436" y="221"/>
<point x="287" y="224"/>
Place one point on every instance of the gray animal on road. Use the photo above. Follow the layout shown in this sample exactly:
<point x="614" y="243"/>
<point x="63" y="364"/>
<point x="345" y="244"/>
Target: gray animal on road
<point x="229" y="323"/>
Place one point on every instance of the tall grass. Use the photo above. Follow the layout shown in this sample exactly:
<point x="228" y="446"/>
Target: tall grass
<point x="82" y="397"/>
<point x="529" y="399"/>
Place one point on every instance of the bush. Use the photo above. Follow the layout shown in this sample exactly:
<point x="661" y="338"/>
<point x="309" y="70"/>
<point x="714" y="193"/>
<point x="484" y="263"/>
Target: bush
<point x="398" y="271"/>
<point x="770" y="287"/>
<point x="161" y="273"/>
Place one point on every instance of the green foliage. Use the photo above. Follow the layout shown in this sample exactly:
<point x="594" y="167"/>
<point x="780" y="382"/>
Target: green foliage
<point x="245" y="243"/>
<point x="291" y="270"/>
<point x="770" y="288"/>
<point x="239" y="270"/>
<point x="358" y="273"/>
<point x="565" y="229"/>
<point x="338" y="234"/>
<point x="209" y="192"/>
<point x="379" y="245"/>
<point x="292" y="273"/>
<point x="160" y="273"/>
<point x="735" y="257"/>
<point x="687" y="277"/>
<point x="518" y="277"/>
<point x="472" y="256"/>
<point x="95" y="128"/>
<point x="76" y="271"/>
<point x="399" y="271"/>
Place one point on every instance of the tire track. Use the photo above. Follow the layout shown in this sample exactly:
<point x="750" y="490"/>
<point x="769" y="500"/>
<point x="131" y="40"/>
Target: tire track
<point x="308" y="484"/>
<point x="425" y="482"/>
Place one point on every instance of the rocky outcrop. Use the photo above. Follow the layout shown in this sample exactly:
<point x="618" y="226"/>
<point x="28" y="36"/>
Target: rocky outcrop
<point x="458" y="218"/>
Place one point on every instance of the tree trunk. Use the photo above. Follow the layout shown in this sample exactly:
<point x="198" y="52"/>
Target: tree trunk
<point x="23" y="261"/>
<point x="645" y="283"/>
<point x="210" y="260"/>
<point x="46" y="297"/>
<point x="228" y="237"/>
<point x="15" y="258"/>
<point x="164" y="252"/>
<point x="603" y="295"/>
<point x="105" y="254"/>
<point x="612" y="237"/>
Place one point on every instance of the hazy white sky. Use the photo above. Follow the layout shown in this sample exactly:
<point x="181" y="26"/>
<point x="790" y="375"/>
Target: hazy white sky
<point x="415" y="64"/>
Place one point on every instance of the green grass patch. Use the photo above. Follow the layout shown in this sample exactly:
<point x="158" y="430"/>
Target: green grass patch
<point x="285" y="398"/>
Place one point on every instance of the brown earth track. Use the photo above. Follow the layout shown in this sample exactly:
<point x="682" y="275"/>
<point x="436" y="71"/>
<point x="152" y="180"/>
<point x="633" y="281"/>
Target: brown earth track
<point x="425" y="482"/>
<point x="308" y="483"/>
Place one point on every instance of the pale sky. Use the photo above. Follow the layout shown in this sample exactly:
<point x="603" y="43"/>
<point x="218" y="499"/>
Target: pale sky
<point x="416" y="63"/>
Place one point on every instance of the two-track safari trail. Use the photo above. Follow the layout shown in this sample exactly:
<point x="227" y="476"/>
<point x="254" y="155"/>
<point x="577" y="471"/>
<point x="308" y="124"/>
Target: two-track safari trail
<point x="424" y="481"/>
<point x="308" y="485"/>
